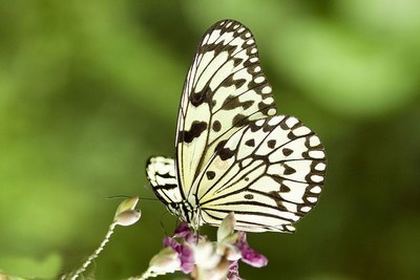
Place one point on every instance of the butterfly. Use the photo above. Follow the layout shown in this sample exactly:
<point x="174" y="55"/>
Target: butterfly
<point x="233" y="152"/>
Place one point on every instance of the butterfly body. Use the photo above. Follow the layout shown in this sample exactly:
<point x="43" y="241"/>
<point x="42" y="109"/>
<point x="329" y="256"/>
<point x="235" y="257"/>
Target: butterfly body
<point x="233" y="153"/>
<point x="185" y="211"/>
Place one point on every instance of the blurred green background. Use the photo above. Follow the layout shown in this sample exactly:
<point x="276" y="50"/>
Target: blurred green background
<point x="89" y="90"/>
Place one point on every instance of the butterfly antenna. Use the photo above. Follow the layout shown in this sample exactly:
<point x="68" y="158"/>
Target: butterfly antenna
<point x="176" y="223"/>
<point x="162" y="225"/>
<point x="117" y="196"/>
<point x="126" y="196"/>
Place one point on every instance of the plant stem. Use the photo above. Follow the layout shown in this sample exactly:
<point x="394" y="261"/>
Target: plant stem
<point x="146" y="275"/>
<point x="95" y="254"/>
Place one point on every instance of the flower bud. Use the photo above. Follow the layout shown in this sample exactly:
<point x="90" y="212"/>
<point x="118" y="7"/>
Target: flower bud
<point x="127" y="218"/>
<point x="226" y="227"/>
<point x="127" y="204"/>
<point x="126" y="214"/>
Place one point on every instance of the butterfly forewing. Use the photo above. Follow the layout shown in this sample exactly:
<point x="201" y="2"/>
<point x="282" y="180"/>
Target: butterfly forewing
<point x="269" y="173"/>
<point x="225" y="89"/>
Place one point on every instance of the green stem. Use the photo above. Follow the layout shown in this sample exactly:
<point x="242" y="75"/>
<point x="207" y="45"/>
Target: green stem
<point x="92" y="257"/>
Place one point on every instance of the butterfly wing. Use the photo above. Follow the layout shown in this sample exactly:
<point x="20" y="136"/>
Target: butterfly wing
<point x="161" y="174"/>
<point x="269" y="173"/>
<point x="225" y="89"/>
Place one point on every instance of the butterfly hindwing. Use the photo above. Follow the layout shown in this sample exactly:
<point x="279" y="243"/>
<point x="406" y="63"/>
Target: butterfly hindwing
<point x="225" y="89"/>
<point x="161" y="174"/>
<point x="269" y="173"/>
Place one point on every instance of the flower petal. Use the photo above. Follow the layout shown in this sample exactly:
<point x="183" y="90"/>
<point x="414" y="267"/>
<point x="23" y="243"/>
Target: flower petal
<point x="166" y="261"/>
<point x="232" y="253"/>
<point x="185" y="253"/>
<point x="253" y="258"/>
<point x="185" y="232"/>
<point x="170" y="242"/>
<point x="226" y="227"/>
<point x="187" y="259"/>
<point x="233" y="273"/>
<point x="182" y="230"/>
<point x="249" y="255"/>
<point x="205" y="255"/>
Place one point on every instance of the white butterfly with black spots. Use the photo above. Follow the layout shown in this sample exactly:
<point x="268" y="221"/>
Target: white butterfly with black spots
<point x="233" y="153"/>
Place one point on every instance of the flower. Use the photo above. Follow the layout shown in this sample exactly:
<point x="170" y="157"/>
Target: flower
<point x="196" y="255"/>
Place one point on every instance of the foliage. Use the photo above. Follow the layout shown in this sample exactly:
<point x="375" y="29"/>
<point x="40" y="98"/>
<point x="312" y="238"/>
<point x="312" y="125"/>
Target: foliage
<point x="89" y="90"/>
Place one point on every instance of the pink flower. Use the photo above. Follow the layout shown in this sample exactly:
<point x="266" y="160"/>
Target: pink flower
<point x="217" y="260"/>
<point x="249" y="255"/>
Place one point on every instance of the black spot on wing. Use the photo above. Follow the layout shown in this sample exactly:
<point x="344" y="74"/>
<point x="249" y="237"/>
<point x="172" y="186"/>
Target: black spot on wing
<point x="239" y="82"/>
<point x="196" y="129"/>
<point x="286" y="151"/>
<point x="198" y="98"/>
<point x="267" y="127"/>
<point x="232" y="102"/>
<point x="210" y="175"/>
<point x="288" y="170"/>
<point x="271" y="143"/>
<point x="224" y="153"/>
<point x="279" y="201"/>
<point x="248" y="196"/>
<point x="240" y="120"/>
<point x="250" y="143"/>
<point x="264" y="108"/>
<point x="284" y="188"/>
<point x="220" y="146"/>
<point x="217" y="126"/>
<point x="253" y="127"/>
